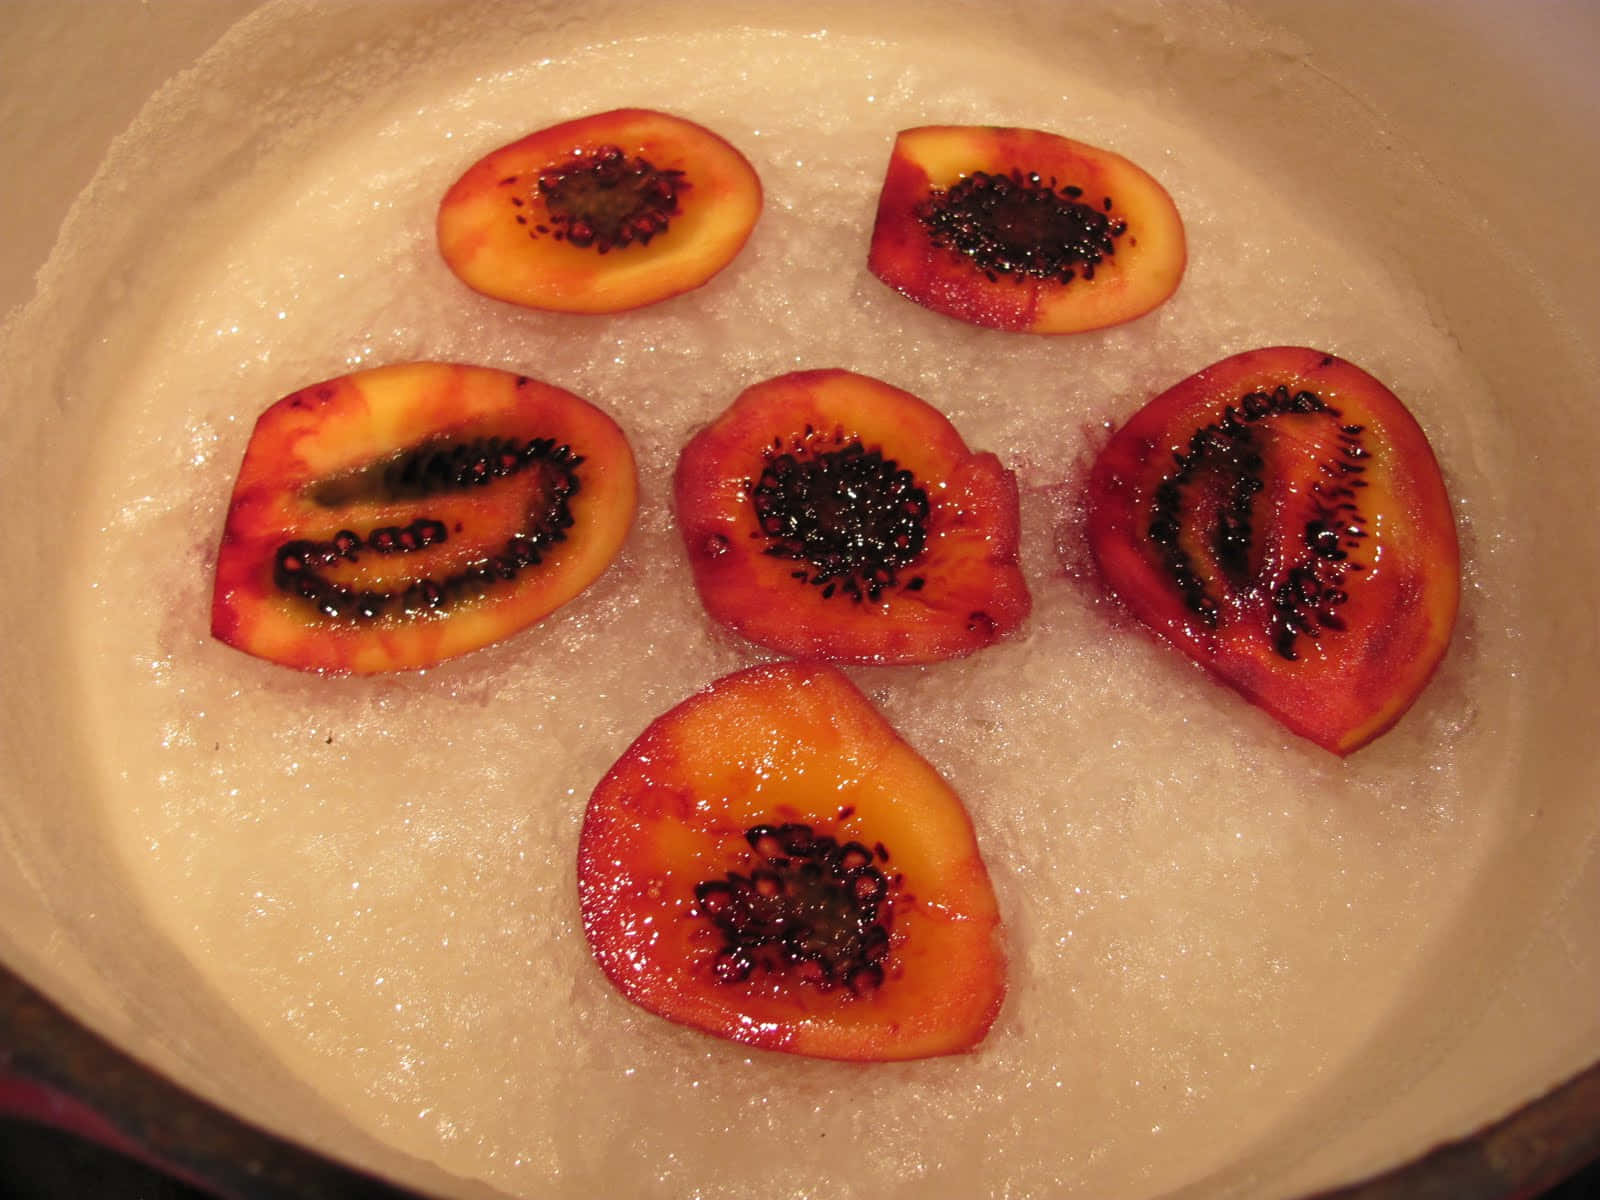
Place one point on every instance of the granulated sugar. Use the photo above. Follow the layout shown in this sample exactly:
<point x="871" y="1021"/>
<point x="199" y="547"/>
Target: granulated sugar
<point x="1205" y="915"/>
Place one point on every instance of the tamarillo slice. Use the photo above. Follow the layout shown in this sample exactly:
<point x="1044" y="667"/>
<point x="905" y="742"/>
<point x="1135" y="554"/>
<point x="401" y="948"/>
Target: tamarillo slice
<point x="1023" y="230"/>
<point x="832" y="516"/>
<point x="402" y="515"/>
<point x="769" y="862"/>
<point x="601" y="214"/>
<point x="1280" y="517"/>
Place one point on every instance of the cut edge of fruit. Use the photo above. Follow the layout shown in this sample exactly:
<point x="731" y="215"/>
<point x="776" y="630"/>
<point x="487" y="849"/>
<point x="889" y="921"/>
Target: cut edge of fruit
<point x="490" y="237"/>
<point x="934" y="158"/>
<point x="1384" y="682"/>
<point x="344" y="424"/>
<point x="629" y="884"/>
<point x="963" y="592"/>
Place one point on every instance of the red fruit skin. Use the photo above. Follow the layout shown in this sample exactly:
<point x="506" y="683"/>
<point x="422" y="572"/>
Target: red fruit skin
<point x="788" y="742"/>
<point x="342" y="425"/>
<point x="1348" y="686"/>
<point x="1145" y="270"/>
<point x="974" y="592"/>
<point x="490" y="250"/>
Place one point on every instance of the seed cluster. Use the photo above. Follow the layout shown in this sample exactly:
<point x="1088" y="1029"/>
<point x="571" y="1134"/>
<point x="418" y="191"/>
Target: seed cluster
<point x="813" y="910"/>
<point x="1022" y="225"/>
<point x="300" y="567"/>
<point x="429" y="469"/>
<point x="601" y="198"/>
<point x="854" y="517"/>
<point x="1306" y="598"/>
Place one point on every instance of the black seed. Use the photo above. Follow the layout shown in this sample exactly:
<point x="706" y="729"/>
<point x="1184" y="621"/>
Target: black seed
<point x="1019" y="225"/>
<point x="868" y="887"/>
<point x="765" y="840"/>
<point x="1224" y="464"/>
<point x="865" y="979"/>
<point x="607" y="200"/>
<point x="731" y="966"/>
<point x="796" y="839"/>
<point x="810" y="908"/>
<point x="853" y="856"/>
<point x="418" y="473"/>
<point x="855" y="516"/>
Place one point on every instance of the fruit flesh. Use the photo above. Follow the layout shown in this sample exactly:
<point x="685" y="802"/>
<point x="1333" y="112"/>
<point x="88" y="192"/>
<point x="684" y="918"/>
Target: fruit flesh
<point x="499" y="232"/>
<point x="964" y="589"/>
<point x="1140" y="268"/>
<point x="788" y="742"/>
<point x="1314" y="566"/>
<point x="322" y="469"/>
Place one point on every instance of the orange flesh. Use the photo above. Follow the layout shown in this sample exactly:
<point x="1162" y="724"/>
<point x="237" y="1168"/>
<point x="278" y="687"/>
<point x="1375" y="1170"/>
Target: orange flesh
<point x="488" y="220"/>
<point x="327" y="431"/>
<point x="972" y="593"/>
<point x="1348" y="685"/>
<point x="782" y="743"/>
<point x="1143" y="271"/>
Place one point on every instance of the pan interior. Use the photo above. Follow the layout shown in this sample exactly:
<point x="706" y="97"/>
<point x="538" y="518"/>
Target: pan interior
<point x="1228" y="949"/>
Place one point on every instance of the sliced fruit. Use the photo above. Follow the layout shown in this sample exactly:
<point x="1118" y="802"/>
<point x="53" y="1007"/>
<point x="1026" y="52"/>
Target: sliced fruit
<point x="399" y="516"/>
<point x="829" y="515"/>
<point x="771" y="863"/>
<point x="601" y="214"/>
<point x="1022" y="230"/>
<point x="1281" y="519"/>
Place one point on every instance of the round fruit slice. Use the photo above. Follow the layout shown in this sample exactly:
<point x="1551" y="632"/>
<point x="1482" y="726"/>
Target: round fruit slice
<point x="1022" y="230"/>
<point x="600" y="214"/>
<point x="1280" y="517"/>
<point x="770" y="863"/>
<point x="399" y="516"/>
<point x="829" y="515"/>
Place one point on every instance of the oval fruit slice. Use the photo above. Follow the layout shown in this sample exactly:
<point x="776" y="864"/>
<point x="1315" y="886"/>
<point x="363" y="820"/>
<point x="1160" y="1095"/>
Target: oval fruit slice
<point x="399" y="516"/>
<point x="1280" y="517"/>
<point x="1022" y="230"/>
<point x="771" y="863"/>
<point x="600" y="214"/>
<point x="829" y="515"/>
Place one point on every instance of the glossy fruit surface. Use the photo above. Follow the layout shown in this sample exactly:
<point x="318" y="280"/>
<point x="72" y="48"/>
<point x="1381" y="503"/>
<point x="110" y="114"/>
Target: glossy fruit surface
<point x="601" y="214"/>
<point x="1023" y="230"/>
<point x="1280" y="517"/>
<point x="769" y="862"/>
<point x="399" y="516"/>
<point x="830" y="515"/>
